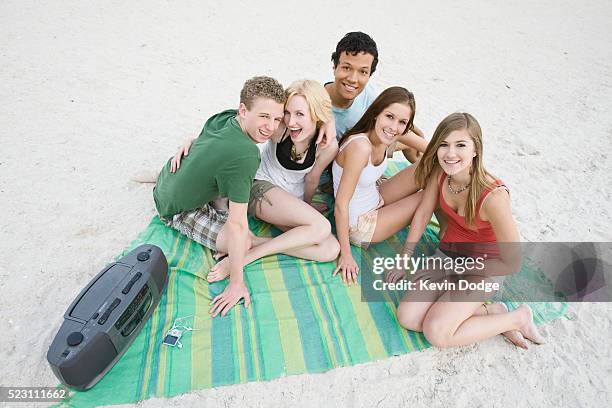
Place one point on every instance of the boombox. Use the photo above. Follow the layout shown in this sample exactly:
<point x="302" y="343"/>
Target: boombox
<point x="106" y="317"/>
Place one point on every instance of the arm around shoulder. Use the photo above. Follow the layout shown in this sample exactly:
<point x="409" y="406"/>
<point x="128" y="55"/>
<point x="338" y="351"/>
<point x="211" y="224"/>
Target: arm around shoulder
<point x="323" y="159"/>
<point x="327" y="134"/>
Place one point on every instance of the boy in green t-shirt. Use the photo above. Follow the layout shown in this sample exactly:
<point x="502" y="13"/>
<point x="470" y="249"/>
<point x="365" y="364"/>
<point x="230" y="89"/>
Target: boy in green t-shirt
<point x="221" y="164"/>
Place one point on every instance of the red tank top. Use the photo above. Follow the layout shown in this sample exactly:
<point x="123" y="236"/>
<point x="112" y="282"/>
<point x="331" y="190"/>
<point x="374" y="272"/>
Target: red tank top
<point x="458" y="231"/>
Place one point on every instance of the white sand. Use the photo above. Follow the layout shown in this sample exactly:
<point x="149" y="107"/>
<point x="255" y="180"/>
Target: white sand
<point x="94" y="91"/>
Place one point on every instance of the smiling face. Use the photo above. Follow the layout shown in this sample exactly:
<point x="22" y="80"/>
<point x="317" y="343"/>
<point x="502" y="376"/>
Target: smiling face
<point x="298" y="119"/>
<point x="352" y="73"/>
<point x="392" y="122"/>
<point x="260" y="122"/>
<point x="456" y="152"/>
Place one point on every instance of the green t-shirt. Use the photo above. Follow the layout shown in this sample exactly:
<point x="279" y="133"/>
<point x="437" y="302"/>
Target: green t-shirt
<point x="222" y="162"/>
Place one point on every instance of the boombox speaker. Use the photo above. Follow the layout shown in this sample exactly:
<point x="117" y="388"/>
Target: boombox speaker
<point x="106" y="317"/>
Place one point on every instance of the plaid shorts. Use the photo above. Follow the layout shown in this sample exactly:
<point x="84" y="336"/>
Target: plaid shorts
<point x="201" y="225"/>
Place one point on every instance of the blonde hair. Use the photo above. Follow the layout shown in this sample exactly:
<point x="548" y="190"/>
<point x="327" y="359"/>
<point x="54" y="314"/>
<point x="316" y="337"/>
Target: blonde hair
<point x="319" y="102"/>
<point x="429" y="162"/>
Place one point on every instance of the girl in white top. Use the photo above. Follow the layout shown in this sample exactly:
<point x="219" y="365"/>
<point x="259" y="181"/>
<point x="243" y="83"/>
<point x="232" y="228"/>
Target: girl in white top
<point x="278" y="167"/>
<point x="364" y="211"/>
<point x="366" y="196"/>
<point x="288" y="175"/>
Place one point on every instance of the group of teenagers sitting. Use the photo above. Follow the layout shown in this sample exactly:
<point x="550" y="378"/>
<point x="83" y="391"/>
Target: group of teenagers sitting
<point x="267" y="159"/>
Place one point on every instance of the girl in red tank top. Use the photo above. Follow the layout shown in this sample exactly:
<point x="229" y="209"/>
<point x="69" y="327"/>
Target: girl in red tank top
<point x="457" y="230"/>
<point x="477" y="209"/>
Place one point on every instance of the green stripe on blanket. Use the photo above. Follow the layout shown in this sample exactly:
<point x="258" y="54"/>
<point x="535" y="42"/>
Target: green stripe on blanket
<point x="301" y="320"/>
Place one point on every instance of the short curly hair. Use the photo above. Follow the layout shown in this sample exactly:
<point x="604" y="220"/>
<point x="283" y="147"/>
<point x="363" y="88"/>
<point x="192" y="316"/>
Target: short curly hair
<point x="354" y="43"/>
<point x="262" y="87"/>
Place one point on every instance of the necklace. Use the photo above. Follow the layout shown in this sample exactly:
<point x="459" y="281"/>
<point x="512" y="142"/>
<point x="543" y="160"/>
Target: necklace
<point x="295" y="156"/>
<point x="461" y="189"/>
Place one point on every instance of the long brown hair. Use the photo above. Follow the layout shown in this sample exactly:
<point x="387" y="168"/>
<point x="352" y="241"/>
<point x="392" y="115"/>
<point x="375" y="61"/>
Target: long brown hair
<point x="395" y="94"/>
<point x="429" y="162"/>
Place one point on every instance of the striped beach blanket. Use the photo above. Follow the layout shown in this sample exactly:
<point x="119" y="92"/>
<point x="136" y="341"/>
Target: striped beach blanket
<point x="301" y="320"/>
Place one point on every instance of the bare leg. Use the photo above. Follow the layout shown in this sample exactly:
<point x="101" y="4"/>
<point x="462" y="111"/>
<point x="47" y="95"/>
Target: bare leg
<point x="395" y="216"/>
<point x="399" y="186"/>
<point x="255" y="241"/>
<point x="306" y="231"/>
<point x="514" y="336"/>
<point x="309" y="234"/>
<point x="447" y="324"/>
<point x="324" y="252"/>
<point x="223" y="239"/>
<point x="411" y="313"/>
<point x="450" y="324"/>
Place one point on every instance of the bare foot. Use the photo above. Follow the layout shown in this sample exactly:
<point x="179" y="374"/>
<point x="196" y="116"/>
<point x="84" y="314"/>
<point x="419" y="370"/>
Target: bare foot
<point x="514" y="336"/>
<point x="219" y="271"/>
<point x="529" y="329"/>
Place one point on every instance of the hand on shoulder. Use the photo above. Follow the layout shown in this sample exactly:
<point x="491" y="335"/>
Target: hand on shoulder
<point x="331" y="150"/>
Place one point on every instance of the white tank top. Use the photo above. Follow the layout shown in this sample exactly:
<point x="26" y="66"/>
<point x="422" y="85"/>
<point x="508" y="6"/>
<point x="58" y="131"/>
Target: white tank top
<point x="270" y="169"/>
<point x="366" y="196"/>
